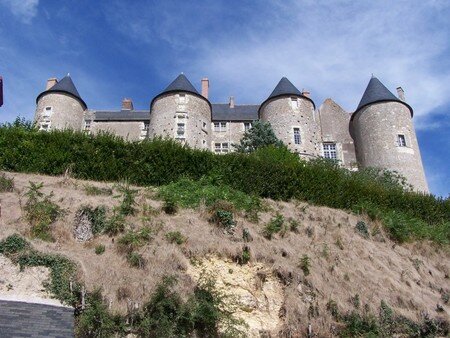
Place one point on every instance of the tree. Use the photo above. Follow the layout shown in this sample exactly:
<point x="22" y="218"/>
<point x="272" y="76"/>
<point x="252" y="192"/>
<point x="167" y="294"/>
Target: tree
<point x="260" y="135"/>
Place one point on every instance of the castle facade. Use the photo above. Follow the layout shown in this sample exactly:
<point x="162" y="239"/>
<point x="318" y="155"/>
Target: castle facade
<point x="379" y="133"/>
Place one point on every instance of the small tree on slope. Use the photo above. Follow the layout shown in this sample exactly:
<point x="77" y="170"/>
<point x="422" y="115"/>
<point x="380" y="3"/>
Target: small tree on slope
<point x="259" y="136"/>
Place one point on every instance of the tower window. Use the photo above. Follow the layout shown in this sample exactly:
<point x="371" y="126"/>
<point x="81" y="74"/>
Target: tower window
<point x="220" y="126"/>
<point x="87" y="126"/>
<point x="182" y="98"/>
<point x="294" y="102"/>
<point x="297" y="136"/>
<point x="329" y="151"/>
<point x="181" y="129"/>
<point x="401" y="140"/>
<point x="48" y="111"/>
<point x="221" y="148"/>
<point x="247" y="126"/>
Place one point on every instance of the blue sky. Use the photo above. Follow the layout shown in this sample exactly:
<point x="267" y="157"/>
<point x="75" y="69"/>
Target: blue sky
<point x="115" y="49"/>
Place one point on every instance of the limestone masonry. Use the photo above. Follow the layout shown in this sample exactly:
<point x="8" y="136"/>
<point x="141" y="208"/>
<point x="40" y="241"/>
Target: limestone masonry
<point x="380" y="133"/>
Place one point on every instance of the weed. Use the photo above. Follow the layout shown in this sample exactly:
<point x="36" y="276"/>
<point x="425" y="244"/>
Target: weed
<point x="170" y="206"/>
<point x="332" y="307"/>
<point x="445" y="296"/>
<point x="175" y="237"/>
<point x="325" y="251"/>
<point x="275" y="225"/>
<point x="128" y="196"/>
<point x="355" y="301"/>
<point x="92" y="190"/>
<point x="362" y="229"/>
<point x="136" y="260"/>
<point x="309" y="230"/>
<point x="305" y="264"/>
<point x="221" y="214"/>
<point x="40" y="212"/>
<point x="114" y="225"/>
<point x="99" y="249"/>
<point x="294" y="225"/>
<point x="133" y="240"/>
<point x="245" y="256"/>
<point x="6" y="183"/>
<point x="339" y="243"/>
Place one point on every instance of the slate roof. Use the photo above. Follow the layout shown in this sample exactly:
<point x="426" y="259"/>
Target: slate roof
<point x="377" y="92"/>
<point x="67" y="86"/>
<point x="223" y="112"/>
<point x="286" y="88"/>
<point x="121" y="115"/>
<point x="19" y="319"/>
<point x="181" y="83"/>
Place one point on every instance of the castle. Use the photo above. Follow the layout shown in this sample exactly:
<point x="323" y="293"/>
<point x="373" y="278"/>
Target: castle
<point x="379" y="133"/>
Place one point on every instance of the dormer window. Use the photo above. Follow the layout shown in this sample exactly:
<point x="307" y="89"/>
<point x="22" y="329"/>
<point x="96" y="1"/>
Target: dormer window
<point x="401" y="140"/>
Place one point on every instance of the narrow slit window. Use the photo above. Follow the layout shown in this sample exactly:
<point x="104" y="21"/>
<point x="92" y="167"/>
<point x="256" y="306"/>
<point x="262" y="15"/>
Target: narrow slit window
<point x="401" y="140"/>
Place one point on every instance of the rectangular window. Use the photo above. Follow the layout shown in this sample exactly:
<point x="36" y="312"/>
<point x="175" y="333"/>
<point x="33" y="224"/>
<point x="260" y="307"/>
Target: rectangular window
<point x="45" y="126"/>
<point x="146" y="125"/>
<point x="87" y="125"/>
<point x="294" y="102"/>
<point x="181" y="129"/>
<point x="401" y="140"/>
<point x="329" y="150"/>
<point x="182" y="98"/>
<point x="221" y="148"/>
<point x="297" y="136"/>
<point x="247" y="126"/>
<point x="47" y="111"/>
<point x="220" y="126"/>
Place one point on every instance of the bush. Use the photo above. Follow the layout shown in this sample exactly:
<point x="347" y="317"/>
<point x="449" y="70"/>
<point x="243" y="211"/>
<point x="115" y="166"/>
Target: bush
<point x="99" y="249"/>
<point x="175" y="237"/>
<point x="128" y="197"/>
<point x="275" y="225"/>
<point x="136" y="260"/>
<point x="6" y="183"/>
<point x="305" y="264"/>
<point x="170" y="206"/>
<point x="269" y="172"/>
<point x="92" y="190"/>
<point x="62" y="270"/>
<point x="133" y="240"/>
<point x="361" y="228"/>
<point x="114" y="225"/>
<point x="40" y="212"/>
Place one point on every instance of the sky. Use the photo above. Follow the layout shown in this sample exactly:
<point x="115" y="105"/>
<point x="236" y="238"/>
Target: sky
<point x="115" y="49"/>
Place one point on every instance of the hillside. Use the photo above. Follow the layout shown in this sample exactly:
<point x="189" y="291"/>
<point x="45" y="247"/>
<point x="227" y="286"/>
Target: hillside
<point x="286" y="265"/>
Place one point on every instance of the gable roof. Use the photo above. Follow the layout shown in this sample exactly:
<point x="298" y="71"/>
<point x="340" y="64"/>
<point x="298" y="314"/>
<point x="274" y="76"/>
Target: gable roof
<point x="286" y="88"/>
<point x="377" y="92"/>
<point x="66" y="86"/>
<point x="244" y="112"/>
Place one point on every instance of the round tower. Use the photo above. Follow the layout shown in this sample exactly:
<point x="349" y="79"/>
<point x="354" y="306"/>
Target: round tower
<point x="384" y="135"/>
<point x="292" y="117"/>
<point x="60" y="106"/>
<point x="180" y="112"/>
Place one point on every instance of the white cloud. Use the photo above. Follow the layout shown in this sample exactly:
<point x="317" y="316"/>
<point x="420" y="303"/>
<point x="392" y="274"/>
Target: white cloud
<point x="331" y="50"/>
<point x="25" y="10"/>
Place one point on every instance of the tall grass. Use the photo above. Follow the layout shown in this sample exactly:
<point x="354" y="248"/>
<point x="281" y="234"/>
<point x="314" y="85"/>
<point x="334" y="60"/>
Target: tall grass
<point x="269" y="172"/>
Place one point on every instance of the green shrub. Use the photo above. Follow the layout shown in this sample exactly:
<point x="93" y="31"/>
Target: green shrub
<point x="133" y="240"/>
<point x="114" y="225"/>
<point x="92" y="190"/>
<point x="175" y="237"/>
<point x="245" y="257"/>
<point x="361" y="228"/>
<point x="269" y="172"/>
<point x="170" y="206"/>
<point x="62" y="270"/>
<point x="99" y="249"/>
<point x="305" y="264"/>
<point x="6" y="183"/>
<point x="136" y="260"/>
<point x="40" y="212"/>
<point x="275" y="225"/>
<point x="128" y="196"/>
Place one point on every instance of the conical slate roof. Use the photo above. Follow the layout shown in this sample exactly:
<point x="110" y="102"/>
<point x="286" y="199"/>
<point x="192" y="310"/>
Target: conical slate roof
<point x="377" y="92"/>
<point x="181" y="83"/>
<point x="284" y="87"/>
<point x="67" y="86"/>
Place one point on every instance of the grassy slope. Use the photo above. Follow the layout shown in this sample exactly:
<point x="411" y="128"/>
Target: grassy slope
<point x="410" y="278"/>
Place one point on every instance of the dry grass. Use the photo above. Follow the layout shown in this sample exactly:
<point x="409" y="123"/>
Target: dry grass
<point x="342" y="263"/>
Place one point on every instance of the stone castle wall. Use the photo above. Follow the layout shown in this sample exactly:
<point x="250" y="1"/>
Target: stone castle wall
<point x="375" y="129"/>
<point x="67" y="112"/>
<point x="170" y="109"/>
<point x="233" y="134"/>
<point x="129" y="130"/>
<point x="284" y="118"/>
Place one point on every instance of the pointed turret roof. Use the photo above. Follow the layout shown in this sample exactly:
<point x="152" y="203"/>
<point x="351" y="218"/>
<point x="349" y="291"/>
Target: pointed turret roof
<point x="67" y="86"/>
<point x="286" y="88"/>
<point x="377" y="92"/>
<point x="180" y="84"/>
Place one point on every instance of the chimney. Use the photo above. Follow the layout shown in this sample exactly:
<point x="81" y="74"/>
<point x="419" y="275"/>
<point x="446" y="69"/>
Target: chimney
<point x="401" y="93"/>
<point x="306" y="93"/>
<point x="127" y="104"/>
<point x="51" y="82"/>
<point x="205" y="87"/>
<point x="231" y="101"/>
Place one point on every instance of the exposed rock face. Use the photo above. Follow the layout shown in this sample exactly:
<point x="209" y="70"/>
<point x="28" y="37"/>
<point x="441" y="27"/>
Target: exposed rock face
<point x="82" y="230"/>
<point x="258" y="294"/>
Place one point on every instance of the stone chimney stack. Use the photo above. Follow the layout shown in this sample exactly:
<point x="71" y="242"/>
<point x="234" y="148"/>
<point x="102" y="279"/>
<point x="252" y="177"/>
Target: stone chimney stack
<point x="205" y="87"/>
<point x="51" y="82"/>
<point x="306" y="93"/>
<point x="127" y="104"/>
<point x="231" y="101"/>
<point x="401" y="93"/>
